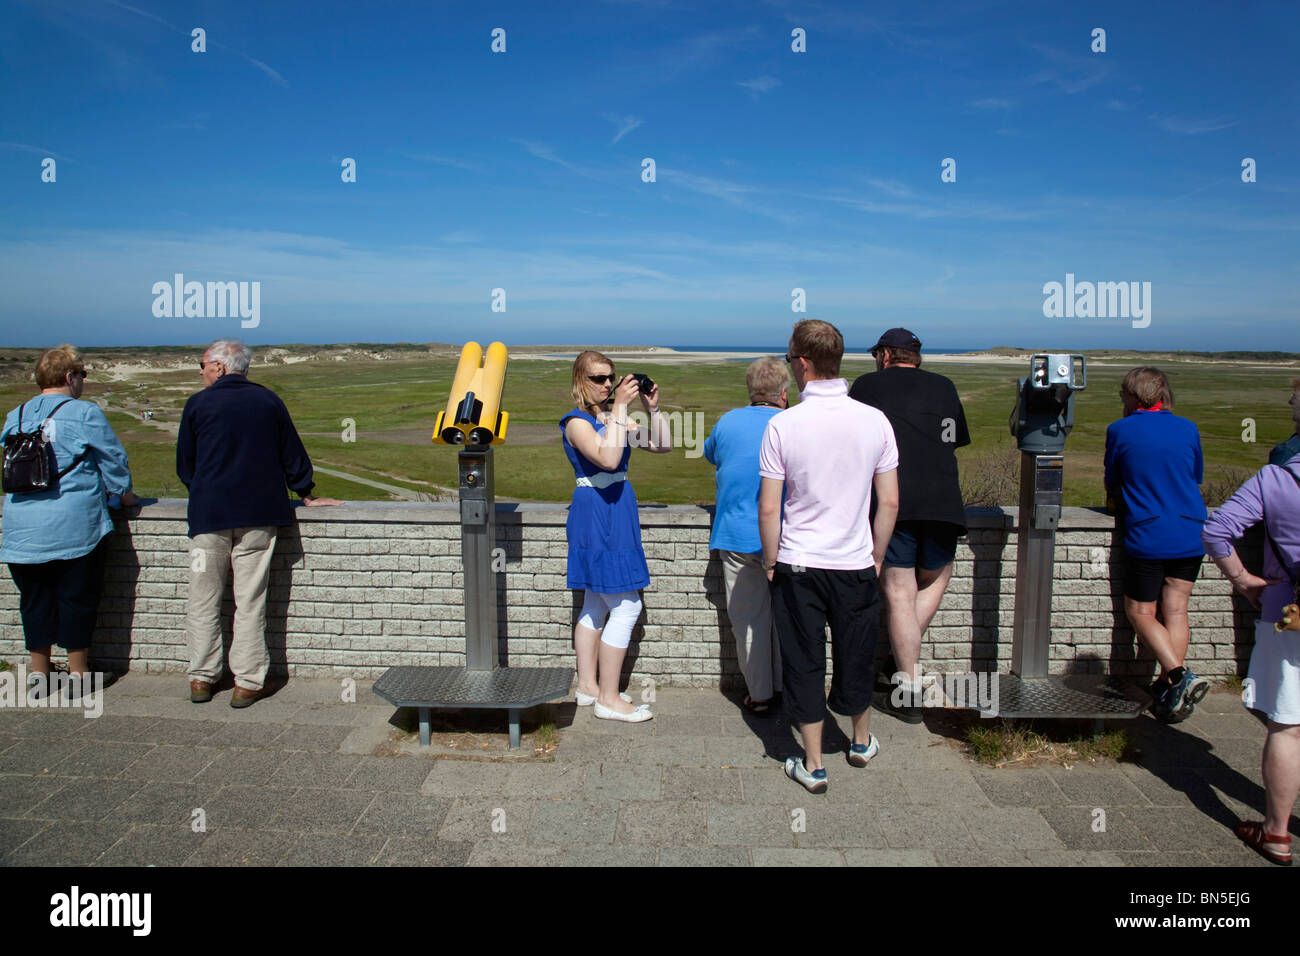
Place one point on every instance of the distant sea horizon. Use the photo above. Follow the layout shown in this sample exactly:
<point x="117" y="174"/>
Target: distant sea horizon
<point x="780" y="349"/>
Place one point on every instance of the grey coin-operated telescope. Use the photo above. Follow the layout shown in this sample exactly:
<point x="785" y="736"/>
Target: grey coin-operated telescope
<point x="1040" y="422"/>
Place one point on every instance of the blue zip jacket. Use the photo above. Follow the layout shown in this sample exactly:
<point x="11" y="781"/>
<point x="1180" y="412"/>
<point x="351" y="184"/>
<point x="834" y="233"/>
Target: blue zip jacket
<point x="1154" y="467"/>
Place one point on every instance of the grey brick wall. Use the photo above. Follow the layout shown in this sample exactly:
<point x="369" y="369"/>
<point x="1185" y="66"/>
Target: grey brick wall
<point x="359" y="588"/>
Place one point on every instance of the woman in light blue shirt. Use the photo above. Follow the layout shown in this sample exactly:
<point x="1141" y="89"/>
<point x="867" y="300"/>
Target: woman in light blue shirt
<point x="54" y="540"/>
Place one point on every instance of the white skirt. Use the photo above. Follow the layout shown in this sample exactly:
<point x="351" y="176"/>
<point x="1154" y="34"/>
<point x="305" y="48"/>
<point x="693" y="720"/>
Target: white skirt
<point x="1272" y="684"/>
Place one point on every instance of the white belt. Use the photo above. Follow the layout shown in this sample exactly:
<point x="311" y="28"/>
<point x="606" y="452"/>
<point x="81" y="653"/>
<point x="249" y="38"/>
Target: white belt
<point x="602" y="479"/>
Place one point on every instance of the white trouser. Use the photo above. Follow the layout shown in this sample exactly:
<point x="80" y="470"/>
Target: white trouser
<point x="623" y="610"/>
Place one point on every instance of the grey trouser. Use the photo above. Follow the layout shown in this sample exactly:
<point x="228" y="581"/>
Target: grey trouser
<point x="212" y="555"/>
<point x="749" y="606"/>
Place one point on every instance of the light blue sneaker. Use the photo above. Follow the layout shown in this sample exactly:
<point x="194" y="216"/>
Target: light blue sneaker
<point x="859" y="754"/>
<point x="813" y="780"/>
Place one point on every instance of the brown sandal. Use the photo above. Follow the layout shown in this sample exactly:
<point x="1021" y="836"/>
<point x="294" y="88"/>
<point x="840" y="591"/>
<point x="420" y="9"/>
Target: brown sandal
<point x="1251" y="832"/>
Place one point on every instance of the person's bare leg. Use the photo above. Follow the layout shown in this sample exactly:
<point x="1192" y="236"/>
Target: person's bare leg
<point x="930" y="586"/>
<point x="862" y="727"/>
<point x="79" y="661"/>
<point x="899" y="588"/>
<point x="611" y="672"/>
<point x="41" y="661"/>
<point x="812" y="745"/>
<point x="1142" y="615"/>
<point x="1281" y="767"/>
<point x="1173" y="608"/>
<point x="585" y="641"/>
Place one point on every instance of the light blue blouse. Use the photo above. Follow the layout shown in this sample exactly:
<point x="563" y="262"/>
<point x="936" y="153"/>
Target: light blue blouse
<point x="69" y="520"/>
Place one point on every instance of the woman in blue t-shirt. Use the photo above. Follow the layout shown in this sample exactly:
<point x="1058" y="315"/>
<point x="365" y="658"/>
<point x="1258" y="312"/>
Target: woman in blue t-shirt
<point x="1153" y="475"/>
<point x="606" y="560"/>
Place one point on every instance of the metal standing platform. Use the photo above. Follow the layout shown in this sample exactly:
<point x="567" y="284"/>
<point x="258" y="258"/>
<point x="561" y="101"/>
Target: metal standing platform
<point x="506" y="688"/>
<point x="1068" y="695"/>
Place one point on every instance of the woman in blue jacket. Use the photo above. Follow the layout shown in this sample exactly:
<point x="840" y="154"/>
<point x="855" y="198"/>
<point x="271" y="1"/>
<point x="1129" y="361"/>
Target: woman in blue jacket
<point x="54" y="541"/>
<point x="1153" y="474"/>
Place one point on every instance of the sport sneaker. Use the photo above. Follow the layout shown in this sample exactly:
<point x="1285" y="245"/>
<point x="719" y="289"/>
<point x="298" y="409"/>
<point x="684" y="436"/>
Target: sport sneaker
<point x="1183" y="697"/>
<point x="859" y="754"/>
<point x="813" y="780"/>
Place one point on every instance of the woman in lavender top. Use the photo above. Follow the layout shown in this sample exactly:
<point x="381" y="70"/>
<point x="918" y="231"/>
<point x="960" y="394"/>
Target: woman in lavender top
<point x="1272" y="686"/>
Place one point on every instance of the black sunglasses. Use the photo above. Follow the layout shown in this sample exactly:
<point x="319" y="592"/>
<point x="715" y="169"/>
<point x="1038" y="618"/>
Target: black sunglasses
<point x="203" y="365"/>
<point x="600" y="379"/>
<point x="790" y="358"/>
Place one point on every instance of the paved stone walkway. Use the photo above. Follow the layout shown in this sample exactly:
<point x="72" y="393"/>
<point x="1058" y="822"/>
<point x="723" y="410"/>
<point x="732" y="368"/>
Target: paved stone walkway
<point x="295" y="780"/>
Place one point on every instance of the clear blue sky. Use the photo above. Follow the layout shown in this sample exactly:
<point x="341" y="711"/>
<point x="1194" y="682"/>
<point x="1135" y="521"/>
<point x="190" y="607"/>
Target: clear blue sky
<point x="775" y="170"/>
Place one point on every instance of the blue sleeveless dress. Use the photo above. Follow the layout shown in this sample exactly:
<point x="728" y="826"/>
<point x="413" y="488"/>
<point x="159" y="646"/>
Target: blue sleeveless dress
<point x="604" y="528"/>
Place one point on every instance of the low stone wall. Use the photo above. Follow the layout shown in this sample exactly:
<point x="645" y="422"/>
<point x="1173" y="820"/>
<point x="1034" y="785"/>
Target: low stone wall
<point x="368" y="585"/>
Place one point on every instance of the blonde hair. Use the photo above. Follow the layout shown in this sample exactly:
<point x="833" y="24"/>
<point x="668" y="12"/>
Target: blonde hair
<point x="582" y="367"/>
<point x="764" y="379"/>
<point x="1147" y="385"/>
<point x="53" y="367"/>
<point x="821" y="344"/>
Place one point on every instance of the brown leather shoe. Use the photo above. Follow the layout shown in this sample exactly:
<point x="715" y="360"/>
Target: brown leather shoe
<point x="243" y="697"/>
<point x="200" y="691"/>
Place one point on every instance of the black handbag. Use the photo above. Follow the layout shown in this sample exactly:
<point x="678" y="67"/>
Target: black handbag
<point x="30" y="465"/>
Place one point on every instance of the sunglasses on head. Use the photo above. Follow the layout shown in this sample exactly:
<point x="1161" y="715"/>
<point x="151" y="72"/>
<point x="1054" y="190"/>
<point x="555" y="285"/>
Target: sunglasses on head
<point x="600" y="379"/>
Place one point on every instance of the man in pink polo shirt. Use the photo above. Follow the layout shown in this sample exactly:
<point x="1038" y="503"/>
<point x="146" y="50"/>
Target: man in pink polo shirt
<point x="827" y="454"/>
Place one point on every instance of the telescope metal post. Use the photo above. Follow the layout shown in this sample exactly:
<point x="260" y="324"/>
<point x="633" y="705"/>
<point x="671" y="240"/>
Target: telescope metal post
<point x="477" y="540"/>
<point x="1041" y="487"/>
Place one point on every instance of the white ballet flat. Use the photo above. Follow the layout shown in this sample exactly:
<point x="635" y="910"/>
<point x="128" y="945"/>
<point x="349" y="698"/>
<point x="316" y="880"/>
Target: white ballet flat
<point x="641" y="713"/>
<point x="586" y="700"/>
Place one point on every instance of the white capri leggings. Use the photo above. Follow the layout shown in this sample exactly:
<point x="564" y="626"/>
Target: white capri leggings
<point x="623" y="609"/>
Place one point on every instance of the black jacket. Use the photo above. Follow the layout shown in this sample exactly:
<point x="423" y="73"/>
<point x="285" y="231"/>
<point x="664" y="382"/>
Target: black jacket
<point x="236" y="451"/>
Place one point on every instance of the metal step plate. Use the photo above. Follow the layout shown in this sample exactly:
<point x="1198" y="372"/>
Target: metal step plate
<point x="514" y="688"/>
<point x="1069" y="696"/>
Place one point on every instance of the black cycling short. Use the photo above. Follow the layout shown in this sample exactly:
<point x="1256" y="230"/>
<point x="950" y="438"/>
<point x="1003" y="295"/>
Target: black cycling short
<point x="1144" y="578"/>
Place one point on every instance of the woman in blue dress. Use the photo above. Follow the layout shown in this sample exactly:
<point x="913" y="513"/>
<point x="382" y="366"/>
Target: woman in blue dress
<point x="604" y="529"/>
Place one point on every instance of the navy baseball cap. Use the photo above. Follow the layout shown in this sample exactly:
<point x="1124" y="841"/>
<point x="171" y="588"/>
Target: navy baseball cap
<point x="898" y="339"/>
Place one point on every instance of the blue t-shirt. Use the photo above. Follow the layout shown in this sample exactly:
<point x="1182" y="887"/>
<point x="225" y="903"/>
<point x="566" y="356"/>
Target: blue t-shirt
<point x="732" y="447"/>
<point x="1154" y="464"/>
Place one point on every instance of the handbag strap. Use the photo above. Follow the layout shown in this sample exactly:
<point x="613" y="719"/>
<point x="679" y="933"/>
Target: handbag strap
<point x="76" y="461"/>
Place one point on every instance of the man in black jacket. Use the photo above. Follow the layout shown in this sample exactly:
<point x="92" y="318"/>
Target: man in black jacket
<point x="930" y="425"/>
<point x="236" y="450"/>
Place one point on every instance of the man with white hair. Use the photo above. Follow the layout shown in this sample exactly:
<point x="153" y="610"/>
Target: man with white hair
<point x="236" y="451"/>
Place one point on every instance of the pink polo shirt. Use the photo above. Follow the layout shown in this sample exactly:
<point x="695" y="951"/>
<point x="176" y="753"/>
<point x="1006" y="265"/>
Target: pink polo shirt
<point x="827" y="450"/>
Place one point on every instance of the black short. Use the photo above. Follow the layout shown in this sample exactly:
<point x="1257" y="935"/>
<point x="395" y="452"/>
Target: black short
<point x="803" y="603"/>
<point x="1144" y="578"/>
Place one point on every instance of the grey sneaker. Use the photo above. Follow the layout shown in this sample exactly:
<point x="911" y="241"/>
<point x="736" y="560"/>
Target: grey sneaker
<point x="813" y="780"/>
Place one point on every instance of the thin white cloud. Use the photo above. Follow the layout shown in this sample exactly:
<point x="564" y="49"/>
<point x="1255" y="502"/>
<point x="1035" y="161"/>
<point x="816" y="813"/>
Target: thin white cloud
<point x="268" y="70"/>
<point x="1070" y="73"/>
<point x="760" y="84"/>
<point x="37" y="150"/>
<point x="993" y="103"/>
<point x="443" y="161"/>
<point x="1184" y="127"/>
<point x="623" y="125"/>
<point x="1119" y="106"/>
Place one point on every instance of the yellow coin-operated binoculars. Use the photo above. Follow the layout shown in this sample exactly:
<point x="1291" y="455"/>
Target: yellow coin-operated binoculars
<point x="472" y="416"/>
<point x="473" y="419"/>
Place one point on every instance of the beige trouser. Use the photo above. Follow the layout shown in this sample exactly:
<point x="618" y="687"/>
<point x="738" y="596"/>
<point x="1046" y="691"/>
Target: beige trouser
<point x="248" y="551"/>
<point x="749" y="605"/>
